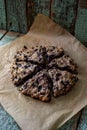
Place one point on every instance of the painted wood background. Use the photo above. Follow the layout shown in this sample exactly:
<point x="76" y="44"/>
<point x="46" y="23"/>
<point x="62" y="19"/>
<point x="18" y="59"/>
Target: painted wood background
<point x="18" y="15"/>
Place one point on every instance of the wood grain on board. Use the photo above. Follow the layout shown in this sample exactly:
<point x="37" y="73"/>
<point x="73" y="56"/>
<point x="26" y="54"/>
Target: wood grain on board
<point x="64" y="12"/>
<point x="2" y="15"/>
<point x="6" y="121"/>
<point x="36" y="6"/>
<point x="16" y="15"/>
<point x="81" y="23"/>
<point x="83" y="120"/>
<point x="83" y="3"/>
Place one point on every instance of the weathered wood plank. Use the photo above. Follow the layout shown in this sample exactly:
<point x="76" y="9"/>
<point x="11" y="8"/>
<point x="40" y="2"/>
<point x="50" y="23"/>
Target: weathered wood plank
<point x="83" y="120"/>
<point x="83" y="3"/>
<point x="64" y="13"/>
<point x="16" y="15"/>
<point x="2" y="15"/>
<point x="21" y="15"/>
<point x="6" y="121"/>
<point x="10" y="36"/>
<point x="71" y="124"/>
<point x="81" y="25"/>
<point x="43" y="7"/>
<point x="2" y="32"/>
<point x="37" y="6"/>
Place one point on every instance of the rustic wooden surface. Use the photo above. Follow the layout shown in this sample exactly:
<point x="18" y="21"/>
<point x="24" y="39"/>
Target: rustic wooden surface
<point x="18" y="15"/>
<point x="64" y="12"/>
<point x="15" y="15"/>
<point x="81" y="22"/>
<point x="2" y="15"/>
<point x="6" y="121"/>
<point x="34" y="7"/>
<point x="78" y="122"/>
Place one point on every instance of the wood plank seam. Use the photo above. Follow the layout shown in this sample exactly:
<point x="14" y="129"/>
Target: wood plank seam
<point x="50" y="8"/>
<point x="76" y="12"/>
<point x="6" y="13"/>
<point x="65" y="13"/>
<point x="80" y="114"/>
<point x="3" y="35"/>
<point x="28" y="13"/>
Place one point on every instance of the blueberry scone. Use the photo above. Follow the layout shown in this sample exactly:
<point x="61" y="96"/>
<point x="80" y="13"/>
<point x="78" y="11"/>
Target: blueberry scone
<point x="63" y="81"/>
<point x="37" y="55"/>
<point x="22" y="54"/>
<point x="34" y="55"/>
<point x="38" y="87"/>
<point x="43" y="72"/>
<point x="22" y="70"/>
<point x="54" y="52"/>
<point x="64" y="63"/>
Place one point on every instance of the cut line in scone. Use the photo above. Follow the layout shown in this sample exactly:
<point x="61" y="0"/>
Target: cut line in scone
<point x="34" y="55"/>
<point x="38" y="87"/>
<point x="64" y="63"/>
<point x="22" y="71"/>
<point x="44" y="72"/>
<point x="63" y="81"/>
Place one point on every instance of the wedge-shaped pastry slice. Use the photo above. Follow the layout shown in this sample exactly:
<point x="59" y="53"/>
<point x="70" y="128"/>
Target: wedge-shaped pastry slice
<point x="64" y="63"/>
<point x="35" y="54"/>
<point x="38" y="87"/>
<point x="53" y="52"/>
<point x="38" y="55"/>
<point x="63" y="81"/>
<point x="22" y="54"/>
<point x="21" y="71"/>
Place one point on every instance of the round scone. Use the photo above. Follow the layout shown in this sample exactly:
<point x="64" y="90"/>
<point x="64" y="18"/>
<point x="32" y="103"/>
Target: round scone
<point x="38" y="87"/>
<point x="64" y="63"/>
<point x="34" y="54"/>
<point x="43" y="72"/>
<point x="63" y="81"/>
<point x="53" y="52"/>
<point x="37" y="55"/>
<point x="22" y="70"/>
<point x="22" y="54"/>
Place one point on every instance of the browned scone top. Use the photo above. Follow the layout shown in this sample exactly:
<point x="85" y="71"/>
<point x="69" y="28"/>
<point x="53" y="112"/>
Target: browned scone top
<point x="22" y="70"/>
<point x="35" y="54"/>
<point x="38" y="86"/>
<point x="64" y="63"/>
<point x="63" y="81"/>
<point x="54" y="52"/>
<point x="43" y="72"/>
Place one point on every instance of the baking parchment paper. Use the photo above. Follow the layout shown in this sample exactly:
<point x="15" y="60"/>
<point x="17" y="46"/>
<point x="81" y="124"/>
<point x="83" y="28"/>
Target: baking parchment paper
<point x="31" y="114"/>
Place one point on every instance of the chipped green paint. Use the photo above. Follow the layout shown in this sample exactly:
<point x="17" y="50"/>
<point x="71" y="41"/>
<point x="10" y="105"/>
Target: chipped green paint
<point x="37" y="6"/>
<point x="6" y="121"/>
<point x="19" y="15"/>
<point x="83" y="120"/>
<point x="16" y="15"/>
<point x="63" y="12"/>
<point x="12" y="21"/>
<point x="7" y="39"/>
<point x="2" y="15"/>
<point x="71" y="124"/>
<point x="43" y="7"/>
<point x="81" y="26"/>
